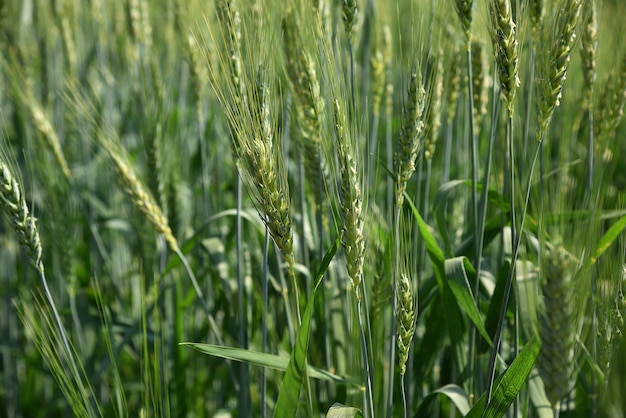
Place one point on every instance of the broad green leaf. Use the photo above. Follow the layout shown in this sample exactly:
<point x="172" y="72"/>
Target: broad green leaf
<point x="289" y="394"/>
<point x="271" y="361"/>
<point x="509" y="384"/>
<point x="455" y="393"/>
<point x="338" y="410"/>
<point x="456" y="273"/>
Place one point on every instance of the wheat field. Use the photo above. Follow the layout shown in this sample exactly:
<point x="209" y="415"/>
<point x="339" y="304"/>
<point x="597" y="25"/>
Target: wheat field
<point x="339" y="208"/>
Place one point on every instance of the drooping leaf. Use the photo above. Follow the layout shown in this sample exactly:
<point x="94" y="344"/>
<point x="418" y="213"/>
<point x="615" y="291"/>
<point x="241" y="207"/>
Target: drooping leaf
<point x="455" y="393"/>
<point x="271" y="361"/>
<point x="338" y="410"/>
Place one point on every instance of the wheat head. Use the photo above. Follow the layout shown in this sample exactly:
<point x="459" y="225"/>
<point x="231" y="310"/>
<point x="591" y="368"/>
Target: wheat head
<point x="410" y="136"/>
<point x="351" y="202"/>
<point x="505" y="49"/>
<point x="553" y="68"/>
<point x="16" y="210"/>
<point x="405" y="320"/>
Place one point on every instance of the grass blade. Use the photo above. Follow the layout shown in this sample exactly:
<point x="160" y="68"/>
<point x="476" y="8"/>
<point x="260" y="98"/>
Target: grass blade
<point x="456" y="272"/>
<point x="271" y="361"/>
<point x="287" y="403"/>
<point x="607" y="240"/>
<point x="509" y="384"/>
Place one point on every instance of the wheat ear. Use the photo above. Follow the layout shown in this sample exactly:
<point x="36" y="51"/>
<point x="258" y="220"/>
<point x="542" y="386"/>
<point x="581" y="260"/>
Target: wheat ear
<point x="351" y="202"/>
<point x="536" y="16"/>
<point x="410" y="136"/>
<point x="349" y="11"/>
<point x="309" y="103"/>
<point x="433" y="110"/>
<point x="480" y="84"/>
<point x="611" y="107"/>
<point x="505" y="49"/>
<point x="405" y="320"/>
<point x="558" y="325"/>
<point x="554" y="68"/>
<point x="24" y="224"/>
<point x="589" y="49"/>
<point x="464" y="11"/>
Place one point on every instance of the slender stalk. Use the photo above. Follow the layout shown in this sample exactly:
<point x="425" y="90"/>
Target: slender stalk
<point x="264" y="284"/>
<point x="244" y="389"/>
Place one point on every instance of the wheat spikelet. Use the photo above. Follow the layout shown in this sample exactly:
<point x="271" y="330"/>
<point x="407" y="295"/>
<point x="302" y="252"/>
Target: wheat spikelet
<point x="464" y="11"/>
<point x="610" y="311"/>
<point x="45" y="127"/>
<point x="405" y="320"/>
<point x="611" y="107"/>
<point x="377" y="71"/>
<point x="554" y="67"/>
<point x="310" y="105"/>
<point x="349" y="11"/>
<point x="260" y="160"/>
<point x="351" y="203"/>
<point x="139" y="195"/>
<point x="380" y="63"/>
<point x="589" y="49"/>
<point x="23" y="223"/>
<point x="140" y="22"/>
<point x="198" y="72"/>
<point x="558" y="325"/>
<point x="452" y="86"/>
<point x="505" y="49"/>
<point x="231" y="24"/>
<point x="412" y="129"/>
<point x="66" y="38"/>
<point x="433" y="110"/>
<point x="536" y="16"/>
<point x="479" y="83"/>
